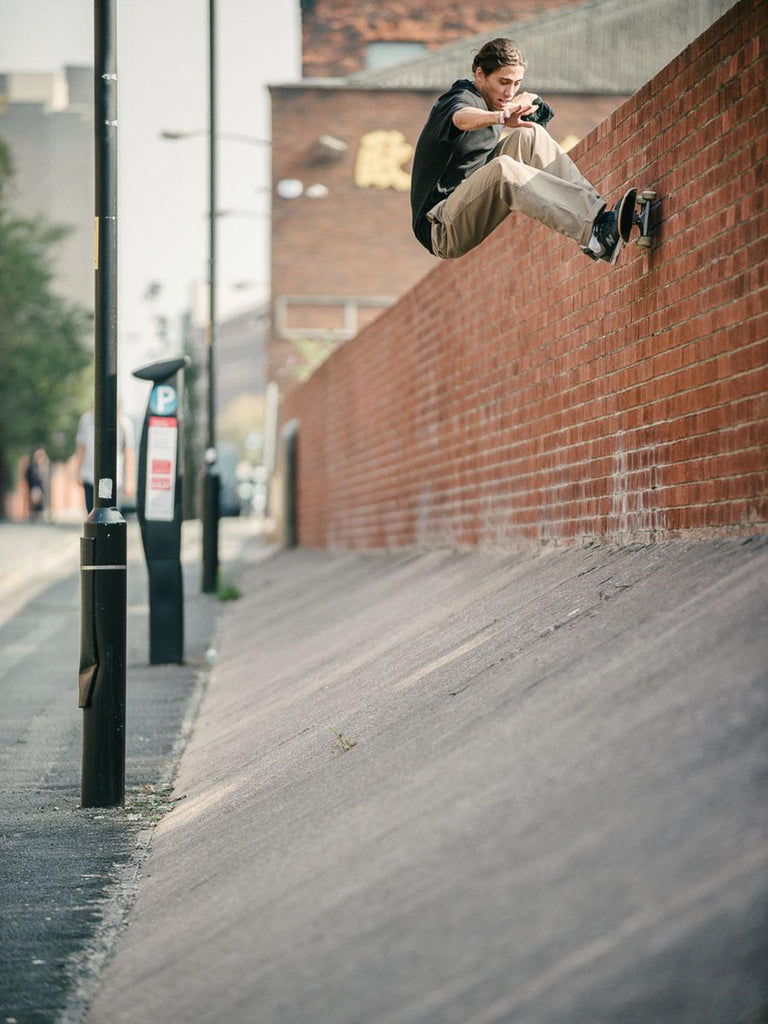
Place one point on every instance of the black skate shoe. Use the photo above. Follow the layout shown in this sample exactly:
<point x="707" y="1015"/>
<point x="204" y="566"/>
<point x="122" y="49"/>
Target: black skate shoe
<point x="611" y="229"/>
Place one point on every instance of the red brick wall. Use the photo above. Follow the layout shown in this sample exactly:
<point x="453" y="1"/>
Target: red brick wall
<point x="523" y="395"/>
<point x="335" y="32"/>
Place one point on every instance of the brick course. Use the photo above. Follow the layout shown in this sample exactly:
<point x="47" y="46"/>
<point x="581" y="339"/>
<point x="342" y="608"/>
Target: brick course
<point x="523" y="395"/>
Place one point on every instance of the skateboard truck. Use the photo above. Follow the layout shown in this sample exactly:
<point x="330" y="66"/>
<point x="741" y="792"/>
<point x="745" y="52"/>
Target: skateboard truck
<point x="644" y="218"/>
<point x="636" y="210"/>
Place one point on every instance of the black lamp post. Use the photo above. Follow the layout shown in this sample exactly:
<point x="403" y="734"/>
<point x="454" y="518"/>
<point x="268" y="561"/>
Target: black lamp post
<point x="210" y="470"/>
<point x="103" y="545"/>
<point x="211" y="480"/>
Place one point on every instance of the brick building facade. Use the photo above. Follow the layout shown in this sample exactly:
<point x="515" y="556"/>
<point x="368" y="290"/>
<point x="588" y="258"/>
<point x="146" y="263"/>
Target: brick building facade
<point x="338" y="261"/>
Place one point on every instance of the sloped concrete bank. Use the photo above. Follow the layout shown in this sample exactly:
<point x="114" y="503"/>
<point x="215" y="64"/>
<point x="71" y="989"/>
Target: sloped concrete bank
<point x="464" y="788"/>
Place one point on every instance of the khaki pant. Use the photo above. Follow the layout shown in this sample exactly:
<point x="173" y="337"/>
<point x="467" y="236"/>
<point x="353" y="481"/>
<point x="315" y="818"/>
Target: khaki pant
<point x="527" y="171"/>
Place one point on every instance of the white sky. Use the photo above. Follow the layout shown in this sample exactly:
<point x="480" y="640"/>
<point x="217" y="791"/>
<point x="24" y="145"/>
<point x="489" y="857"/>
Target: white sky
<point x="163" y="186"/>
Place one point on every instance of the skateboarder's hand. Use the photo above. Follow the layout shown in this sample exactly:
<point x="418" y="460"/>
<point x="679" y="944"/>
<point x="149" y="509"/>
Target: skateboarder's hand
<point x="516" y="109"/>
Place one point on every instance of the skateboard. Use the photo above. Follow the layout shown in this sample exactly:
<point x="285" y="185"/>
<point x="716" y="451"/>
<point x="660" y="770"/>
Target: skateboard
<point x="636" y="210"/>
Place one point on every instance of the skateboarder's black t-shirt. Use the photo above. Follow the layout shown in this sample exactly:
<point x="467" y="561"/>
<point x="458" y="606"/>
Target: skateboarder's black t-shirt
<point x="445" y="156"/>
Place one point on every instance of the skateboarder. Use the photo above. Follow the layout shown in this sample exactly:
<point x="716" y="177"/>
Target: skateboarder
<point x="466" y="179"/>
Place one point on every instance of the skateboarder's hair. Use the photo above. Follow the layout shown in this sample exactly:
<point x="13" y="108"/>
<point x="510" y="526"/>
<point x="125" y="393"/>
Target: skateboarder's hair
<point x="498" y="53"/>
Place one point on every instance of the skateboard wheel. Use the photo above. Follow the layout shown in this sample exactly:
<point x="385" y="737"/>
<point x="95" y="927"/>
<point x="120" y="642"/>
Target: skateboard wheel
<point x="647" y="195"/>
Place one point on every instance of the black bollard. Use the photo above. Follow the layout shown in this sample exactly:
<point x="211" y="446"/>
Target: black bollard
<point x="290" y="492"/>
<point x="102" y="657"/>
<point x="211" y="495"/>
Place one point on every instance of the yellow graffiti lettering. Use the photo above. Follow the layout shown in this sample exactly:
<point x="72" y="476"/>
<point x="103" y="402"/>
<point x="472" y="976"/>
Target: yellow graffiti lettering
<point x="379" y="161"/>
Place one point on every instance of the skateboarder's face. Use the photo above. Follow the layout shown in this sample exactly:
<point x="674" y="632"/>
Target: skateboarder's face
<point x="500" y="86"/>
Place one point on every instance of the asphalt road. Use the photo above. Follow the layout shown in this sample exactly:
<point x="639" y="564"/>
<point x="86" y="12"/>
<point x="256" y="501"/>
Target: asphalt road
<point x="468" y="789"/>
<point x="67" y="875"/>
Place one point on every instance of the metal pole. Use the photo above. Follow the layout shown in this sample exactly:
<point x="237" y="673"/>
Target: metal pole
<point x="290" y="493"/>
<point x="211" y="473"/>
<point x="103" y="545"/>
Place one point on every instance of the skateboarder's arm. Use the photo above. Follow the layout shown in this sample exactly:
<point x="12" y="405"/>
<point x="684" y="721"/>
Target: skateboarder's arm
<point x="470" y="119"/>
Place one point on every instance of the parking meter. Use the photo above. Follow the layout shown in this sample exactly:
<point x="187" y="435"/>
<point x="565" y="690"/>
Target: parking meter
<point x="159" y="508"/>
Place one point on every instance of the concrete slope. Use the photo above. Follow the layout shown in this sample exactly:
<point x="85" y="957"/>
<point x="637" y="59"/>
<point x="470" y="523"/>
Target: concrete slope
<point x="466" y="788"/>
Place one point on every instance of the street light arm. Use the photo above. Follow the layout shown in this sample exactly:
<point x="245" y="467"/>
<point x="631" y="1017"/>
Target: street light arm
<point x="250" y="140"/>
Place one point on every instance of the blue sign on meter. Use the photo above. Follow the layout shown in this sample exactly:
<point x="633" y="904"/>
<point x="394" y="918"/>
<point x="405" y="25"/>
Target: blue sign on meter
<point x="164" y="400"/>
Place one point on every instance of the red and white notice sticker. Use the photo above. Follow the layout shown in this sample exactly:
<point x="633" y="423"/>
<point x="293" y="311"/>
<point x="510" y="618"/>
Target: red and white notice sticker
<point x="160" y="493"/>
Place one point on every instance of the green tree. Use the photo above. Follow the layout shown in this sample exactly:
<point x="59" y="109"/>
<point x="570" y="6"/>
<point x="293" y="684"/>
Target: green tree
<point x="309" y="355"/>
<point x="43" y="355"/>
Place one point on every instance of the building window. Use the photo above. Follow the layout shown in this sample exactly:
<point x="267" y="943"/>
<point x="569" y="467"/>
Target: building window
<point x="326" y="316"/>
<point x="387" y="54"/>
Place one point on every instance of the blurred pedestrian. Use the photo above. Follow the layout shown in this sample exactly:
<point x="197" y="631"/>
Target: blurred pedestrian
<point x="36" y="476"/>
<point x="84" y="459"/>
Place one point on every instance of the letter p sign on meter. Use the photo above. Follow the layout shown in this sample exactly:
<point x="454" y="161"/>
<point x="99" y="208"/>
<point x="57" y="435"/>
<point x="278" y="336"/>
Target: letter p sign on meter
<point x="164" y="400"/>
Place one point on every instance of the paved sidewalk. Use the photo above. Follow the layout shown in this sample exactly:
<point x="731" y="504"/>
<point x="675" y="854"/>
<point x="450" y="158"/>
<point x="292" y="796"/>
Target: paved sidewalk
<point x="32" y="556"/>
<point x="465" y="789"/>
<point x="67" y="876"/>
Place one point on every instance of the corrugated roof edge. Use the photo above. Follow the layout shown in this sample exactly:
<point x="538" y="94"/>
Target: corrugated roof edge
<point x="556" y="42"/>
